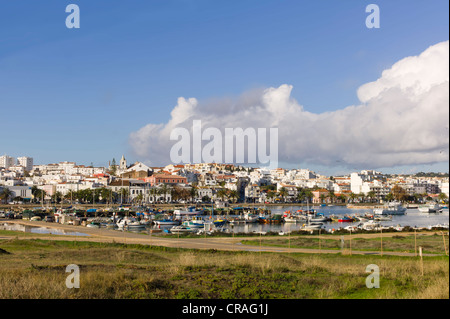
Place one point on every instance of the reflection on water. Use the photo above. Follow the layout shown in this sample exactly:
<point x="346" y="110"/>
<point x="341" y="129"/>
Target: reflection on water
<point x="38" y="230"/>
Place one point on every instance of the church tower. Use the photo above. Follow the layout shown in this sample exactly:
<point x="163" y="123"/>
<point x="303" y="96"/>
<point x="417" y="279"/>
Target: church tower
<point x="123" y="163"/>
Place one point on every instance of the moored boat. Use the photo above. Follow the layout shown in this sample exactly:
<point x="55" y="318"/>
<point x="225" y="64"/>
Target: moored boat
<point x="430" y="208"/>
<point x="393" y="208"/>
<point x="345" y="219"/>
<point x="182" y="229"/>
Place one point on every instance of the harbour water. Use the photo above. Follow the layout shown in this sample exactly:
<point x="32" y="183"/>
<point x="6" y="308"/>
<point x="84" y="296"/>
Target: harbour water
<point x="38" y="230"/>
<point x="412" y="218"/>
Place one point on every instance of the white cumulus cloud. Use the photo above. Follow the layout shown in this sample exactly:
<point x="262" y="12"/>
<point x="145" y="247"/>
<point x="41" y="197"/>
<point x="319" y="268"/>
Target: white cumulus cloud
<point x="403" y="119"/>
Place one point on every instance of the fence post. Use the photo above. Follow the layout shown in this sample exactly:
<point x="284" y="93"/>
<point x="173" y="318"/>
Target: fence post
<point x="415" y="241"/>
<point x="445" y="244"/>
<point x="381" y="236"/>
<point x="421" y="259"/>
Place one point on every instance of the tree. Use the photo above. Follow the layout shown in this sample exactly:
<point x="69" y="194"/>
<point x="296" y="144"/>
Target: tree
<point x="353" y="196"/>
<point x="139" y="198"/>
<point x="113" y="170"/>
<point x="193" y="192"/>
<point x="322" y="197"/>
<point x="234" y="195"/>
<point x="342" y="198"/>
<point x="58" y="197"/>
<point x="124" y="193"/>
<point x="389" y="197"/>
<point x="6" y="194"/>
<point x="371" y="195"/>
<point x="222" y="193"/>
<point x="332" y="196"/>
<point x="442" y="197"/>
<point x="271" y="195"/>
<point x="399" y="193"/>
<point x="283" y="193"/>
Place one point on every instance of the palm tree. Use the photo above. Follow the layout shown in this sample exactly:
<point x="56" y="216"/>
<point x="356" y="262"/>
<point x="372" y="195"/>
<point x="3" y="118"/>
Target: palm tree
<point x="271" y="195"/>
<point x="332" y="196"/>
<point x="322" y="198"/>
<point x="353" y="196"/>
<point x="283" y="193"/>
<point x="139" y="198"/>
<point x="222" y="193"/>
<point x="124" y="192"/>
<point x="234" y="195"/>
<point x="371" y="195"/>
<point x="389" y="197"/>
<point x="164" y="190"/>
<point x="193" y="192"/>
<point x="6" y="194"/>
<point x="58" y="197"/>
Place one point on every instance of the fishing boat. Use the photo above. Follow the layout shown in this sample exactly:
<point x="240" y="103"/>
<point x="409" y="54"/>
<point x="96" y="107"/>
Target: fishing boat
<point x="334" y="218"/>
<point x="295" y="219"/>
<point x="312" y="226"/>
<point x="345" y="219"/>
<point x="393" y="208"/>
<point x="430" y="208"/>
<point x="129" y="223"/>
<point x="167" y="222"/>
<point x="321" y="218"/>
<point x="371" y="225"/>
<point x="191" y="211"/>
<point x="237" y="220"/>
<point x="93" y="225"/>
<point x="250" y="218"/>
<point x="182" y="229"/>
<point x="219" y="222"/>
<point x="383" y="218"/>
<point x="194" y="222"/>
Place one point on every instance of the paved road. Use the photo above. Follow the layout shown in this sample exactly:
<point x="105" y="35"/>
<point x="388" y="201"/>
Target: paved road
<point x="223" y="243"/>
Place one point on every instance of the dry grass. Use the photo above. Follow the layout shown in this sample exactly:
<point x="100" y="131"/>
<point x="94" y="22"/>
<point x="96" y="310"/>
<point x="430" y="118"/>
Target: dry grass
<point x="36" y="269"/>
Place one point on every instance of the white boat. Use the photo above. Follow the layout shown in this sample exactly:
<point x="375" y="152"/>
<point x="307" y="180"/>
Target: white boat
<point x="195" y="222"/>
<point x="371" y="225"/>
<point x="191" y="211"/>
<point x="167" y="222"/>
<point x="430" y="208"/>
<point x="129" y="223"/>
<point x="250" y="218"/>
<point x="318" y="219"/>
<point x="351" y="228"/>
<point x="384" y="218"/>
<point x="393" y="208"/>
<point x="182" y="229"/>
<point x="313" y="226"/>
<point x="292" y="219"/>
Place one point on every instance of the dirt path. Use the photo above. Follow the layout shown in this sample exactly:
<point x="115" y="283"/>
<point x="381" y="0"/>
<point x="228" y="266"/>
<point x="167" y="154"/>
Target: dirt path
<point x="218" y="243"/>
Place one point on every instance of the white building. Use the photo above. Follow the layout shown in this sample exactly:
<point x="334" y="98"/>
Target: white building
<point x="6" y="161"/>
<point x="25" y="162"/>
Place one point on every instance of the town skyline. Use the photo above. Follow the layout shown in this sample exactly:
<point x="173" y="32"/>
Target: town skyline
<point x="107" y="163"/>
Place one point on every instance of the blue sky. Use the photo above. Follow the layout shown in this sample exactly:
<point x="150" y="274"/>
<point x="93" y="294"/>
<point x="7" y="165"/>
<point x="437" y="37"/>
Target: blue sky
<point x="76" y="94"/>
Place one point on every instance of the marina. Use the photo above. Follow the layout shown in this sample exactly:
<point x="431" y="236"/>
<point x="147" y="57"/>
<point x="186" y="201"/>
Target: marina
<point x="279" y="219"/>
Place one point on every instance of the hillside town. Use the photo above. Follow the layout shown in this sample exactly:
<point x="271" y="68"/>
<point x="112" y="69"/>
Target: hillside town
<point x="136" y="183"/>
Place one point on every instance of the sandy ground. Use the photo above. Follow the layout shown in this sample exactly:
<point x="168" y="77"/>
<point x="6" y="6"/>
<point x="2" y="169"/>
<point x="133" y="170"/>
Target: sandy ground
<point x="202" y="242"/>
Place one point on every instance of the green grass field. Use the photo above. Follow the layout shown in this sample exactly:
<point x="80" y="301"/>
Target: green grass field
<point x="35" y="268"/>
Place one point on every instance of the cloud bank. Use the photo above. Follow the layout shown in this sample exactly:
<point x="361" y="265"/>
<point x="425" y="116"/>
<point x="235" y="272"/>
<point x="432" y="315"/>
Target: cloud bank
<point x="403" y="119"/>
